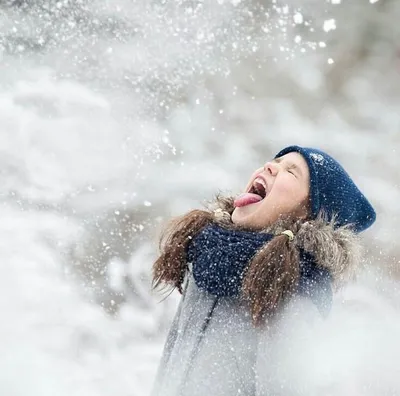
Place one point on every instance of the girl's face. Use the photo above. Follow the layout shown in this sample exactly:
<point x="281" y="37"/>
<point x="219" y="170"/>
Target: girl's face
<point x="283" y="184"/>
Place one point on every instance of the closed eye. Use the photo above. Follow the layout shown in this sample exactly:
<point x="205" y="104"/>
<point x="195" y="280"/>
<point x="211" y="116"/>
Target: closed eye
<point x="290" y="171"/>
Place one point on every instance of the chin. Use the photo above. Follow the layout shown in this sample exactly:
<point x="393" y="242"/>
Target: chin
<point x="243" y="220"/>
<point x="236" y="217"/>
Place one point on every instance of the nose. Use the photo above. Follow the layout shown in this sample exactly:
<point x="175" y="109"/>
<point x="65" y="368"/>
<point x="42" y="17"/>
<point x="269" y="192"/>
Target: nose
<point x="271" y="168"/>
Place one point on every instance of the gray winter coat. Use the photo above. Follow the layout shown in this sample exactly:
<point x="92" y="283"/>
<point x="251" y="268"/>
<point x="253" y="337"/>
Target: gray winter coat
<point x="213" y="349"/>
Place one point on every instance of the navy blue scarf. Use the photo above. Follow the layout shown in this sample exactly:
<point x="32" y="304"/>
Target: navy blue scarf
<point x="219" y="258"/>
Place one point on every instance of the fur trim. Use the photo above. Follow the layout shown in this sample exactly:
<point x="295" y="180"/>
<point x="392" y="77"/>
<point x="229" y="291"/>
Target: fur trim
<point x="336" y="248"/>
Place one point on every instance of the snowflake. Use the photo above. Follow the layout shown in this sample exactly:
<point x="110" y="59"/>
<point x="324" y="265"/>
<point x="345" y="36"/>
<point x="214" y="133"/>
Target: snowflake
<point x="318" y="158"/>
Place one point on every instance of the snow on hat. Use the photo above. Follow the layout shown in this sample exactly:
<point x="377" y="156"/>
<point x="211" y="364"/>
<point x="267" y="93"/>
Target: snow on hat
<point x="333" y="192"/>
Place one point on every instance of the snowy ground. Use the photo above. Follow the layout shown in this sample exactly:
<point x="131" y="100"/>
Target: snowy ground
<point x="113" y="117"/>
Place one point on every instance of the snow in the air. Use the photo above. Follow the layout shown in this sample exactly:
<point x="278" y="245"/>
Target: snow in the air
<point x="115" y="116"/>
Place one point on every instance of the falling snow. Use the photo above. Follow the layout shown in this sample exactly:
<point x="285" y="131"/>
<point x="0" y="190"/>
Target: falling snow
<point x="329" y="24"/>
<point x="115" y="116"/>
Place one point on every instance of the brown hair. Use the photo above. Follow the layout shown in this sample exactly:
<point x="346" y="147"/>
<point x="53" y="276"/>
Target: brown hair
<point x="170" y="268"/>
<point x="270" y="278"/>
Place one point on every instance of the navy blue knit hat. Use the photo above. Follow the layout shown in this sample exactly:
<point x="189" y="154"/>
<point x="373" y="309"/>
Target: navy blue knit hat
<point x="333" y="191"/>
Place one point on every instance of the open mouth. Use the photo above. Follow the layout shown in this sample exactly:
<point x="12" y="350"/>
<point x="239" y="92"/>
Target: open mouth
<point x="259" y="187"/>
<point x="256" y="193"/>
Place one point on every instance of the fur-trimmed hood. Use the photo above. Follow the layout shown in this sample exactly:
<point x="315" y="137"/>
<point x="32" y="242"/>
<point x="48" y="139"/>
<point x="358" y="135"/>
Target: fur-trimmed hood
<point x="337" y="249"/>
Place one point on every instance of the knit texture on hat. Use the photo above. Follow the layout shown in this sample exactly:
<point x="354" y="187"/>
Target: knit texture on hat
<point x="333" y="192"/>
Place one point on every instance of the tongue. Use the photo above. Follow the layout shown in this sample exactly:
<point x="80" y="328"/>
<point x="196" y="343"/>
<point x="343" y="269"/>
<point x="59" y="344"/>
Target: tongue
<point x="246" y="199"/>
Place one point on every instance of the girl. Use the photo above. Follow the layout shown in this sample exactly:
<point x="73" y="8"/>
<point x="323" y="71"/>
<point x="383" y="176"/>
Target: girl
<point x="247" y="264"/>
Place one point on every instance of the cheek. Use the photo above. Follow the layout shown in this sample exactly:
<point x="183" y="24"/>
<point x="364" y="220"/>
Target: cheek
<point x="289" y="192"/>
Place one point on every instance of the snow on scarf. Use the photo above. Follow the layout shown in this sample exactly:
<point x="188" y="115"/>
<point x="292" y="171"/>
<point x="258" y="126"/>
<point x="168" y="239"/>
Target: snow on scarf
<point x="220" y="256"/>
